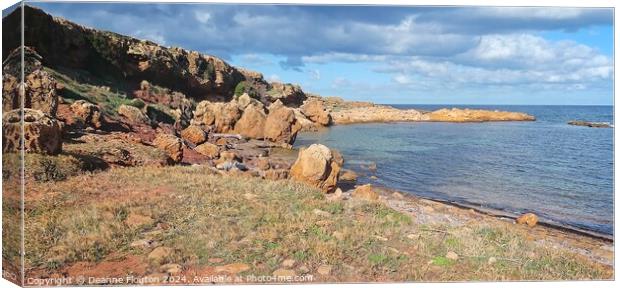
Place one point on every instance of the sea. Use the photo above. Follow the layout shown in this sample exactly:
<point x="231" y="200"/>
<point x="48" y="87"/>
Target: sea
<point x="560" y="172"/>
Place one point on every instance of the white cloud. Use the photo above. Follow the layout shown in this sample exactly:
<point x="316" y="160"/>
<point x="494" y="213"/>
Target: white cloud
<point x="202" y="16"/>
<point x="274" y="78"/>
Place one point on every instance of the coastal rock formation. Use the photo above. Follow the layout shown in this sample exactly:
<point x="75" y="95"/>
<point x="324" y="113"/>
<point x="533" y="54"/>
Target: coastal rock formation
<point x="221" y="115"/>
<point x="365" y="192"/>
<point x="288" y="94"/>
<point x="252" y="122"/>
<point x="281" y="125"/>
<point x="318" y="166"/>
<point x="42" y="133"/>
<point x="368" y="113"/>
<point x="194" y="134"/>
<point x="529" y="219"/>
<point x="315" y="111"/>
<point x="171" y="144"/>
<point x="590" y="124"/>
<point x="348" y="175"/>
<point x="40" y="87"/>
<point x="476" y="115"/>
<point x="89" y="113"/>
<point x="133" y="114"/>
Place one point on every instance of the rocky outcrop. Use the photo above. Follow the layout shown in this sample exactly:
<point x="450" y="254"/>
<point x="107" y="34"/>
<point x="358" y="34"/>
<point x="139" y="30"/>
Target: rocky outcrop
<point x="133" y="114"/>
<point x="318" y="166"/>
<point x="222" y="116"/>
<point x="475" y="115"/>
<point x="288" y="94"/>
<point x="368" y="113"/>
<point x="42" y="133"/>
<point x="590" y="124"/>
<point x="194" y="134"/>
<point x="171" y="144"/>
<point x="39" y="89"/>
<point x="88" y="113"/>
<point x="281" y="125"/>
<point x="316" y="112"/>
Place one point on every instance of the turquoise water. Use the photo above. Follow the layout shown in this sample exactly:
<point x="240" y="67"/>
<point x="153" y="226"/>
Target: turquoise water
<point x="561" y="172"/>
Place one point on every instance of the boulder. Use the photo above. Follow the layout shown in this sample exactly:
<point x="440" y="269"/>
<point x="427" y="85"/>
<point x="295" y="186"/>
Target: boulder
<point x="133" y="114"/>
<point x="228" y="156"/>
<point x="205" y="113"/>
<point x="208" y="149"/>
<point x="194" y="134"/>
<point x="42" y="133"/>
<point x="171" y="144"/>
<point x="365" y="192"/>
<point x="529" y="219"/>
<point x="40" y="86"/>
<point x="281" y="125"/>
<point x="305" y="123"/>
<point x="315" y="111"/>
<point x="226" y="117"/>
<point x="318" y="166"/>
<point x="252" y="122"/>
<point x="89" y="113"/>
<point x="245" y="100"/>
<point x="276" y="174"/>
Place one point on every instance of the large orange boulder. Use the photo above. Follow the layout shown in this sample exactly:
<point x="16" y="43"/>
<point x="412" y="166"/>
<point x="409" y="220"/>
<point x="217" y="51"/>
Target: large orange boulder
<point x="281" y="125"/>
<point x="171" y="144"/>
<point x="194" y="134"/>
<point x="318" y="166"/>
<point x="252" y="122"/>
<point x="315" y="111"/>
<point x="89" y="113"/>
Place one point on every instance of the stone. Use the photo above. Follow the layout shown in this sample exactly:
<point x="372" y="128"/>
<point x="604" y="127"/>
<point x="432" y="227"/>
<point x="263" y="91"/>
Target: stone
<point x="288" y="263"/>
<point x="365" y="192"/>
<point x="171" y="268"/>
<point x="233" y="268"/>
<point x="42" y="133"/>
<point x="452" y="256"/>
<point x="172" y="145"/>
<point x="529" y="219"/>
<point x="262" y="163"/>
<point x="194" y="134"/>
<point x="348" y="175"/>
<point x="226" y="117"/>
<point x="228" y="156"/>
<point x="288" y="94"/>
<point x="252" y="122"/>
<point x="315" y="111"/>
<point x="336" y="196"/>
<point x="324" y="270"/>
<point x="160" y="255"/>
<point x="492" y="260"/>
<point x="276" y="174"/>
<point x="133" y="114"/>
<point x="205" y="113"/>
<point x="303" y="269"/>
<point x="89" y="113"/>
<point x="40" y="87"/>
<point x="475" y="115"/>
<point x="284" y="273"/>
<point x="318" y="166"/>
<point x="245" y="100"/>
<point x="281" y="125"/>
<point x="208" y="149"/>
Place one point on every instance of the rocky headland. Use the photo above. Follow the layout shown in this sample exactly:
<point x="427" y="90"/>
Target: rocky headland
<point x="106" y="112"/>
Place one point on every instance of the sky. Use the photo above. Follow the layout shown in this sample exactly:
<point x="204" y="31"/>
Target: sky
<point x="389" y="54"/>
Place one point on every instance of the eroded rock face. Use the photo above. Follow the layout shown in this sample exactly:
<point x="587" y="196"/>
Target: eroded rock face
<point x="221" y="115"/>
<point x="40" y="86"/>
<point x="252" y="122"/>
<point x="171" y="144"/>
<point x="89" y="113"/>
<point x="315" y="111"/>
<point x="42" y="133"/>
<point x="288" y="94"/>
<point x="281" y="125"/>
<point x="318" y="166"/>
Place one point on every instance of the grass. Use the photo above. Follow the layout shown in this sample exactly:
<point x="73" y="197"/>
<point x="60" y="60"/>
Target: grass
<point x="261" y="223"/>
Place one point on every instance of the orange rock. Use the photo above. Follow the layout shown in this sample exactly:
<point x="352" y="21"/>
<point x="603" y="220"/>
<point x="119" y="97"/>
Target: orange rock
<point x="171" y="144"/>
<point x="208" y="149"/>
<point x="476" y="115"/>
<point x="281" y="126"/>
<point x="194" y="134"/>
<point x="365" y="192"/>
<point x="529" y="219"/>
<point x="315" y="111"/>
<point x="318" y="166"/>
<point x="252" y="122"/>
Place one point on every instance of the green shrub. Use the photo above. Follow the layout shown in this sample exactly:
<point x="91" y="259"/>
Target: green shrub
<point x="240" y="88"/>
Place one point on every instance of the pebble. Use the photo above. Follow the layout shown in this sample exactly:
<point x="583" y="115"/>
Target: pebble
<point x="452" y="256"/>
<point x="492" y="260"/>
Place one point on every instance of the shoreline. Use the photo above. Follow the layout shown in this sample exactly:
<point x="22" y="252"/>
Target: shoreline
<point x="594" y="246"/>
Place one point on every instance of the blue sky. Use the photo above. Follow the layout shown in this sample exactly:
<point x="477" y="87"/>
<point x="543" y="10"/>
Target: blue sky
<point x="417" y="55"/>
